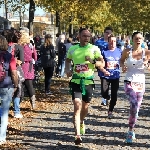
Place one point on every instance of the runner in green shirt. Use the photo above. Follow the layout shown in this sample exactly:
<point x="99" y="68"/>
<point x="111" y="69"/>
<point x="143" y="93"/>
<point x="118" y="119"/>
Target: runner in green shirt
<point x="85" y="58"/>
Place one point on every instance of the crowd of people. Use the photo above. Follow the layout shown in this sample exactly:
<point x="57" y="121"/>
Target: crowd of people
<point x="108" y="55"/>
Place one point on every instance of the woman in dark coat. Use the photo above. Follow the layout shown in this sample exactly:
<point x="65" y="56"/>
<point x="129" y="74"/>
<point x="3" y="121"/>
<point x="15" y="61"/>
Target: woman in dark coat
<point x="47" y="53"/>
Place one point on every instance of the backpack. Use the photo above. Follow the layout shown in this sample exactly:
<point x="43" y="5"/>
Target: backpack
<point x="2" y="67"/>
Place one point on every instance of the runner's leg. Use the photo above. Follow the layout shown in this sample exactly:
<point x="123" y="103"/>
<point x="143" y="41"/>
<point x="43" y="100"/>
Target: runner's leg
<point x="114" y="90"/>
<point x="135" y="99"/>
<point x="86" y="101"/>
<point x="77" y="101"/>
<point x="105" y="90"/>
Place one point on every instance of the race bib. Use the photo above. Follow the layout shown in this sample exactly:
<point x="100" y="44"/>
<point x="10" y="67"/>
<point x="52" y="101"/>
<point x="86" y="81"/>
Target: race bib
<point x="111" y="64"/>
<point x="138" y="83"/>
<point x="81" y="68"/>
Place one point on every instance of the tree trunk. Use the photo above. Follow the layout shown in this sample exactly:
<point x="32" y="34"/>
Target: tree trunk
<point x="31" y="16"/>
<point x="58" y="21"/>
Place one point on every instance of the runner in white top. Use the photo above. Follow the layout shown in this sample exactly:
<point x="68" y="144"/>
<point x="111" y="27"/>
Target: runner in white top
<point x="136" y="61"/>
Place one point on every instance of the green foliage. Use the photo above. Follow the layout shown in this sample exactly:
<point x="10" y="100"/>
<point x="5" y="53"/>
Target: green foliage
<point x="123" y="15"/>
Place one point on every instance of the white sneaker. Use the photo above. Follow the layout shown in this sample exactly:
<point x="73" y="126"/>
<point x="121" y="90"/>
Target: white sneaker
<point x="2" y="142"/>
<point x="49" y="93"/>
<point x="18" y="116"/>
<point x="104" y="102"/>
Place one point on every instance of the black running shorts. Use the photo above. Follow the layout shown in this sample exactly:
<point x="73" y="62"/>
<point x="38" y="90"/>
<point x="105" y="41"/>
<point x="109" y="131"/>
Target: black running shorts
<point x="77" y="92"/>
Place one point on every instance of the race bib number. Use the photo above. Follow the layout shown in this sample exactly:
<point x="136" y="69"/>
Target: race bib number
<point x="138" y="83"/>
<point x="81" y="68"/>
<point x="137" y="86"/>
<point x="111" y="64"/>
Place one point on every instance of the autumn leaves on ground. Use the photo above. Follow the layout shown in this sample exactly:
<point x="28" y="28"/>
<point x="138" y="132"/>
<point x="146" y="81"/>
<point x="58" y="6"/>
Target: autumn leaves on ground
<point x="43" y="103"/>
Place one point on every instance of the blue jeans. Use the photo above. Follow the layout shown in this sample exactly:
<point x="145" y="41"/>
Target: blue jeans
<point x="61" y="67"/>
<point x="6" y="98"/>
<point x="16" y="103"/>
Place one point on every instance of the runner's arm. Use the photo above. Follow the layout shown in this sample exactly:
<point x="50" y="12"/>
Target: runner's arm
<point x="100" y="63"/>
<point x="147" y="53"/>
<point x="147" y="61"/>
<point x="124" y="56"/>
<point x="98" y="58"/>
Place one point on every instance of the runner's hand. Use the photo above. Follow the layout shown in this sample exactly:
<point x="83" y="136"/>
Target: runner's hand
<point x="19" y="62"/>
<point x="69" y="73"/>
<point x="124" y="68"/>
<point x="106" y="73"/>
<point x="145" y="62"/>
<point x="148" y="66"/>
<point x="87" y="58"/>
<point x="98" y="64"/>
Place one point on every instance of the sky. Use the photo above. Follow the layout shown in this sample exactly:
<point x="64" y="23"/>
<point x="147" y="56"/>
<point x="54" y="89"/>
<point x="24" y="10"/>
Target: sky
<point x="38" y="11"/>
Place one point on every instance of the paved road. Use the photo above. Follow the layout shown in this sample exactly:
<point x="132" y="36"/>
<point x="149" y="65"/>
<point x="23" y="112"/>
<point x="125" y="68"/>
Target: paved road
<point x="51" y="128"/>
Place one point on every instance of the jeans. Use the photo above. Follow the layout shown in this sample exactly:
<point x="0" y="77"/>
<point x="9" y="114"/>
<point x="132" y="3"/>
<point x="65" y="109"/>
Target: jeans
<point x="16" y="103"/>
<point x="6" y="98"/>
<point x="61" y="67"/>
<point x="0" y="111"/>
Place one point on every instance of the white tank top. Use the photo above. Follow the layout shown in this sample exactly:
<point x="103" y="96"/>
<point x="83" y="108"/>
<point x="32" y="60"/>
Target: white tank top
<point x="135" y="67"/>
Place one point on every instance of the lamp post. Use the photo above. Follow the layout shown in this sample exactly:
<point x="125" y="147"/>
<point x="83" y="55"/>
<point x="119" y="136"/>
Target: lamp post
<point x="20" y="17"/>
<point x="70" y="25"/>
<point x="5" y="3"/>
<point x="58" y="21"/>
<point x="53" y="26"/>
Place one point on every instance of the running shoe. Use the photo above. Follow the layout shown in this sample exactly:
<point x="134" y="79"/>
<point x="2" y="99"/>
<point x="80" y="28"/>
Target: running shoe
<point x="110" y="115"/>
<point x="2" y="142"/>
<point x="18" y="116"/>
<point x="82" y="128"/>
<point x="130" y="137"/>
<point x="48" y="93"/>
<point x="78" y="140"/>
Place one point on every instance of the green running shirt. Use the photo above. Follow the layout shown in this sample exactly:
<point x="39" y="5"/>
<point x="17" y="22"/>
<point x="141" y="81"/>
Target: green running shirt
<point x="81" y="67"/>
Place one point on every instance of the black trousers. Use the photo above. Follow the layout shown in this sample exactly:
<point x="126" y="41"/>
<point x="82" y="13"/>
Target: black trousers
<point x="48" y="72"/>
<point x="105" y="83"/>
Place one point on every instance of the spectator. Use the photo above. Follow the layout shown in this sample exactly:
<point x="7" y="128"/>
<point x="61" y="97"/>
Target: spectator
<point x="29" y="55"/>
<point x="61" y="57"/>
<point x="7" y="86"/>
<point x="47" y="53"/>
<point x="68" y="44"/>
<point x="13" y="36"/>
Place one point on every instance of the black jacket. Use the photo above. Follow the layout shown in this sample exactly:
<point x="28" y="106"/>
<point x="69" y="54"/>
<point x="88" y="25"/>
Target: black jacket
<point x="47" y="56"/>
